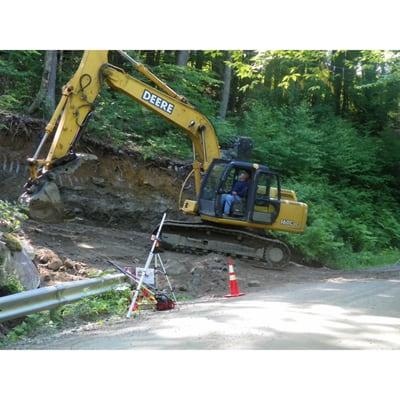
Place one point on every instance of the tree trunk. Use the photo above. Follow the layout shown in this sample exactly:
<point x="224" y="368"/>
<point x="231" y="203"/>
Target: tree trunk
<point x="183" y="57"/>
<point x="60" y="61"/>
<point x="51" y="89"/>
<point x="169" y="57"/>
<point x="150" y="57"/>
<point x="217" y="66"/>
<point x="348" y="78"/>
<point x="235" y="82"/>
<point x="199" y="60"/>
<point x="157" y="57"/>
<point x="226" y="88"/>
<point x="46" y="95"/>
<point x="338" y="58"/>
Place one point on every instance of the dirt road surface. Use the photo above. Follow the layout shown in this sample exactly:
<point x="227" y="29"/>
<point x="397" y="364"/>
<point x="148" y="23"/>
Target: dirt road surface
<point x="192" y="275"/>
<point x="339" y="313"/>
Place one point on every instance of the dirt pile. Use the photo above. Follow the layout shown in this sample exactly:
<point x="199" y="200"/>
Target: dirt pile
<point x="55" y="270"/>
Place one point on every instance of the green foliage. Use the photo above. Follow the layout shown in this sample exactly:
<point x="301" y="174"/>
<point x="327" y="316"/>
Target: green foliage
<point x="12" y="242"/>
<point x="11" y="216"/>
<point x="30" y="325"/>
<point x="20" y="76"/>
<point x="91" y="308"/>
<point x="360" y="84"/>
<point x="9" y="284"/>
<point x="284" y="138"/>
<point x="95" y="308"/>
<point x="171" y="145"/>
<point x="120" y="121"/>
<point x="226" y="130"/>
<point x="200" y="88"/>
<point x="9" y="102"/>
<point x="339" y="172"/>
<point x="346" y="226"/>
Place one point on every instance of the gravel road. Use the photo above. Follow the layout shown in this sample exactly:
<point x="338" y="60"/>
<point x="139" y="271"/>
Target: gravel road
<point x="339" y="313"/>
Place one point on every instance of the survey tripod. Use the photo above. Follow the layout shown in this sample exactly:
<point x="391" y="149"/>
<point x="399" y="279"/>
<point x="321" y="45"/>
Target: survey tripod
<point x="158" y="267"/>
<point x="158" y="264"/>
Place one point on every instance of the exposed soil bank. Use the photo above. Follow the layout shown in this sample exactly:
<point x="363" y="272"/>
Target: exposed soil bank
<point x="118" y="189"/>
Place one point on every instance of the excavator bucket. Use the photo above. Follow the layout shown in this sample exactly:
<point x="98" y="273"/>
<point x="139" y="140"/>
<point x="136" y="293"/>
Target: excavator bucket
<point x="44" y="204"/>
<point x="43" y="196"/>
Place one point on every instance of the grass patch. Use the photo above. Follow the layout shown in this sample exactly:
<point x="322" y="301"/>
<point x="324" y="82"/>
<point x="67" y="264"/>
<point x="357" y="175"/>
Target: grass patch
<point x="12" y="242"/>
<point x="91" y="309"/>
<point x="368" y="259"/>
<point x="183" y="297"/>
<point x="9" y="285"/>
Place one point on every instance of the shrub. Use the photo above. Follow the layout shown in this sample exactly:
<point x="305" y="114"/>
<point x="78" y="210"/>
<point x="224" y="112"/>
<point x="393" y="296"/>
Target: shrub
<point x="11" y="216"/>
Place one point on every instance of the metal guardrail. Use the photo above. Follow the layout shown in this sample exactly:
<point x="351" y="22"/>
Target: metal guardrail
<point x="31" y="301"/>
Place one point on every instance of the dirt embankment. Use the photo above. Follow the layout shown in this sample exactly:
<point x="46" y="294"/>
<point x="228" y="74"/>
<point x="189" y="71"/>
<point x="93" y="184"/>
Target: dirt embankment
<point x="118" y="189"/>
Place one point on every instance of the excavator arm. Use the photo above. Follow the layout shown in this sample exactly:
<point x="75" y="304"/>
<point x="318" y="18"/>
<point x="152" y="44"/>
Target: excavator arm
<point x="265" y="208"/>
<point x="78" y="102"/>
<point x="74" y="110"/>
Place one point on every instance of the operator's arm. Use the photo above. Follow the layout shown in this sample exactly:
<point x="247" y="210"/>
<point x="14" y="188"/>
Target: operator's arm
<point x="240" y="188"/>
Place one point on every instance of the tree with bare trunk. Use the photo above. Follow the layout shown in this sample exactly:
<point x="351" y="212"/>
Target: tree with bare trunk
<point x="46" y="96"/>
<point x="226" y="87"/>
<point x="183" y="57"/>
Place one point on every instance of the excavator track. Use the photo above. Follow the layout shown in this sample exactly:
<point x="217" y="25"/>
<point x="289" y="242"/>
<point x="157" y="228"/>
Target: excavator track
<point x="203" y="238"/>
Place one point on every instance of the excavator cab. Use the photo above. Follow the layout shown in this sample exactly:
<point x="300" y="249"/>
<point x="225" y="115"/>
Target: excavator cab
<point x="259" y="206"/>
<point x="264" y="207"/>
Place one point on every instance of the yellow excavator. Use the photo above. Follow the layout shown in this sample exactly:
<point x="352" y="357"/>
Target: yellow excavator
<point x="241" y="232"/>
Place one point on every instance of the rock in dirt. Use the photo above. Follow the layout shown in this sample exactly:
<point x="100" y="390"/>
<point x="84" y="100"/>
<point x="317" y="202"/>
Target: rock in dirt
<point x="46" y="204"/>
<point x="48" y="259"/>
<point x="45" y="275"/>
<point x="55" y="264"/>
<point x="43" y="256"/>
<point x="69" y="264"/>
<point x="98" y="181"/>
<point x="254" y="283"/>
<point x="175" y="268"/>
<point x="198" y="268"/>
<point x="26" y="270"/>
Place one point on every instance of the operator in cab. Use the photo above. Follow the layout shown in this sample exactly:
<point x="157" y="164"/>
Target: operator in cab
<point x="239" y="191"/>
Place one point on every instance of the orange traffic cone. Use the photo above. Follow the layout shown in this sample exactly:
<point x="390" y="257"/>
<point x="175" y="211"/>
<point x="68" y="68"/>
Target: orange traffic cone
<point x="233" y="285"/>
